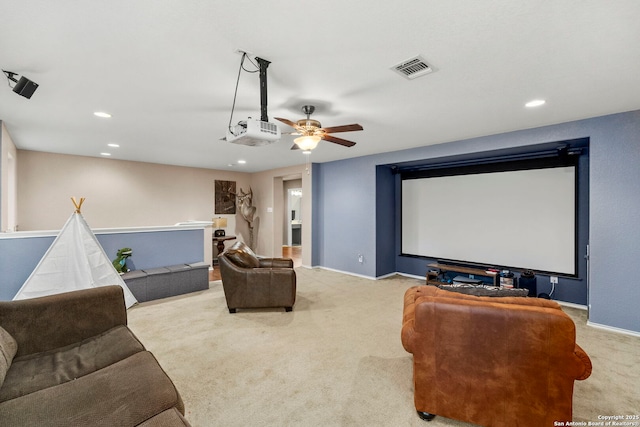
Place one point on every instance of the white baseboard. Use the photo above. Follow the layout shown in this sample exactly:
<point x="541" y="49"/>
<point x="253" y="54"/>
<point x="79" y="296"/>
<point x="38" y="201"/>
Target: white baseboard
<point x="384" y="276"/>
<point x="412" y="276"/>
<point x="348" y="273"/>
<point x="613" y="329"/>
<point x="572" y="305"/>
<point x="368" y="277"/>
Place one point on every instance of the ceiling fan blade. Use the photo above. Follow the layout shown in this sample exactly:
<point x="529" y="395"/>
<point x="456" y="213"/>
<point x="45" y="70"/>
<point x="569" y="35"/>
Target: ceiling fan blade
<point x="295" y="147"/>
<point x="344" y="128"/>
<point x="287" y="121"/>
<point x="340" y="141"/>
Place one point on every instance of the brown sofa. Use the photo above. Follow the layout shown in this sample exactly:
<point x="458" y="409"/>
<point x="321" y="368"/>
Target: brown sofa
<point x="507" y="361"/>
<point x="77" y="364"/>
<point x="252" y="282"/>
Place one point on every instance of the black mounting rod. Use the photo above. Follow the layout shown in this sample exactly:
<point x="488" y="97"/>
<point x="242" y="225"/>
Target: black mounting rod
<point x="11" y="76"/>
<point x="263" y="63"/>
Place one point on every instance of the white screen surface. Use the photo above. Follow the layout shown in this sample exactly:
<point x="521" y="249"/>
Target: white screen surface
<point x="519" y="219"/>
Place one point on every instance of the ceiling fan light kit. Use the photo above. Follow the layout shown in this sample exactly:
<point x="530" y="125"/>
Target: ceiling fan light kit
<point x="308" y="142"/>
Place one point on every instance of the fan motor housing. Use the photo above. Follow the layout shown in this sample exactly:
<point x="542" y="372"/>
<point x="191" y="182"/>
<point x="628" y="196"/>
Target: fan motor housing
<point x="309" y="123"/>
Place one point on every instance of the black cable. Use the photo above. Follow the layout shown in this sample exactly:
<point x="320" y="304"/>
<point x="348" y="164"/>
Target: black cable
<point x="254" y="64"/>
<point x="235" y="94"/>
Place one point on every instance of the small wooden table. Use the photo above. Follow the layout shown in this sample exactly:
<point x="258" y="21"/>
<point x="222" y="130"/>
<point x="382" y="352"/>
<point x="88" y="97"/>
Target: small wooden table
<point x="220" y="245"/>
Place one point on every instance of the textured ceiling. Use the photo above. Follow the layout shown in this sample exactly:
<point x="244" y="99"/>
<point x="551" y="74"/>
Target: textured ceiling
<point x="166" y="71"/>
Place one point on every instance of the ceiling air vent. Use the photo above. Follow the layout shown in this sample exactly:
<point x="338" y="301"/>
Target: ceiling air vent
<point x="412" y="68"/>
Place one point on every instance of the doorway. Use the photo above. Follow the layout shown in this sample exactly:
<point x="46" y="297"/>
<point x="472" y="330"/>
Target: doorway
<point x="293" y="225"/>
<point x="294" y="219"/>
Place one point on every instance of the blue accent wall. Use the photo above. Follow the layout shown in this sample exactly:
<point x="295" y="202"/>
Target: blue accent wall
<point x="157" y="248"/>
<point x="347" y="209"/>
<point x="317" y="223"/>
<point x="351" y="197"/>
<point x="386" y="220"/>
<point x="20" y="256"/>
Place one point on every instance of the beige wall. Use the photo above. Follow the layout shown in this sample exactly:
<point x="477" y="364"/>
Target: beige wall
<point x="268" y="189"/>
<point x="122" y="193"/>
<point x="118" y="193"/>
<point x="8" y="181"/>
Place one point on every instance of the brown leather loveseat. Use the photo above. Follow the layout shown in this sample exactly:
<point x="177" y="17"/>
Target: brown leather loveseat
<point x="491" y="361"/>
<point x="252" y="282"/>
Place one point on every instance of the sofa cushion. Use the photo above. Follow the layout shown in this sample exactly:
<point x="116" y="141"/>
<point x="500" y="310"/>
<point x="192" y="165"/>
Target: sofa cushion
<point x="8" y="349"/>
<point x="242" y="256"/>
<point x="47" y="369"/>
<point x="126" y="393"/>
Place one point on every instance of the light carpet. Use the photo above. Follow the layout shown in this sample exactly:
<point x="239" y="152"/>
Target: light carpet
<point x="335" y="360"/>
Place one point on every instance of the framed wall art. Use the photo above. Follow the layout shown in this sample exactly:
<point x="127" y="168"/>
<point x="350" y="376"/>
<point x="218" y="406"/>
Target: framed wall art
<point x="225" y="197"/>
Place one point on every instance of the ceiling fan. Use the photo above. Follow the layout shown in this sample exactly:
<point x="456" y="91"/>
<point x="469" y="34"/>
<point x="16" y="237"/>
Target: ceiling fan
<point x="312" y="132"/>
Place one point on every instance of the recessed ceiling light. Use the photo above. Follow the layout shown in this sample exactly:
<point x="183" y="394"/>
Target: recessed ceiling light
<point x="105" y="154"/>
<point x="242" y="162"/>
<point x="535" y="103"/>
<point x="114" y="145"/>
<point x="102" y="114"/>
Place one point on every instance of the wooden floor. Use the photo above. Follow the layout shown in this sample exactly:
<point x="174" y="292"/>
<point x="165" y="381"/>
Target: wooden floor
<point x="293" y="252"/>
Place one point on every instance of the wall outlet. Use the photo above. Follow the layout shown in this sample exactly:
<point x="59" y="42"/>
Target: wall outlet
<point x="360" y="258"/>
<point x="554" y="279"/>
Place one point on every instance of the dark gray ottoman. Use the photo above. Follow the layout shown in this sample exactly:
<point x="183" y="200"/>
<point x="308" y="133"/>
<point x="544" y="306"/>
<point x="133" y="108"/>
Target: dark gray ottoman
<point x="198" y="276"/>
<point x="179" y="278"/>
<point x="136" y="281"/>
<point x="158" y="283"/>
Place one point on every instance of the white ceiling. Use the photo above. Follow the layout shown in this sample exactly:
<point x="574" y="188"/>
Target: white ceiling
<point x="166" y="70"/>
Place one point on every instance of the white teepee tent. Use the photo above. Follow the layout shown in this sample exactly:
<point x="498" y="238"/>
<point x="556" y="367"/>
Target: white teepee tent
<point x="75" y="260"/>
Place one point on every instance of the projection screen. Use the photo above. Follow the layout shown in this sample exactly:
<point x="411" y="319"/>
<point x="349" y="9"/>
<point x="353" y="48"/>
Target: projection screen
<point x="519" y="219"/>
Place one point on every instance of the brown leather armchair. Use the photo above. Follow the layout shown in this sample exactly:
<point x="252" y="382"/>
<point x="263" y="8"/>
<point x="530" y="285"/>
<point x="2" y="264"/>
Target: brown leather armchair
<point x="491" y="361"/>
<point x="252" y="282"/>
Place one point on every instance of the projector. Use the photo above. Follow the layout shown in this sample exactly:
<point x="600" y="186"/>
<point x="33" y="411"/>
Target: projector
<point x="253" y="133"/>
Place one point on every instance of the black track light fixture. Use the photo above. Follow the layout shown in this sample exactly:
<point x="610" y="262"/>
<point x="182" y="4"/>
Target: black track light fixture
<point x="24" y="86"/>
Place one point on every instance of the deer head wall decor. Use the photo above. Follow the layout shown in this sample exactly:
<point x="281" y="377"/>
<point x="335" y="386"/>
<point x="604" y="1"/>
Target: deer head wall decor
<point x="247" y="210"/>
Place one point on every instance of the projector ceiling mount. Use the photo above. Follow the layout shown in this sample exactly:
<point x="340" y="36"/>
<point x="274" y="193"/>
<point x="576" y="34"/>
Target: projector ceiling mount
<point x="23" y="87"/>
<point x="253" y="132"/>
